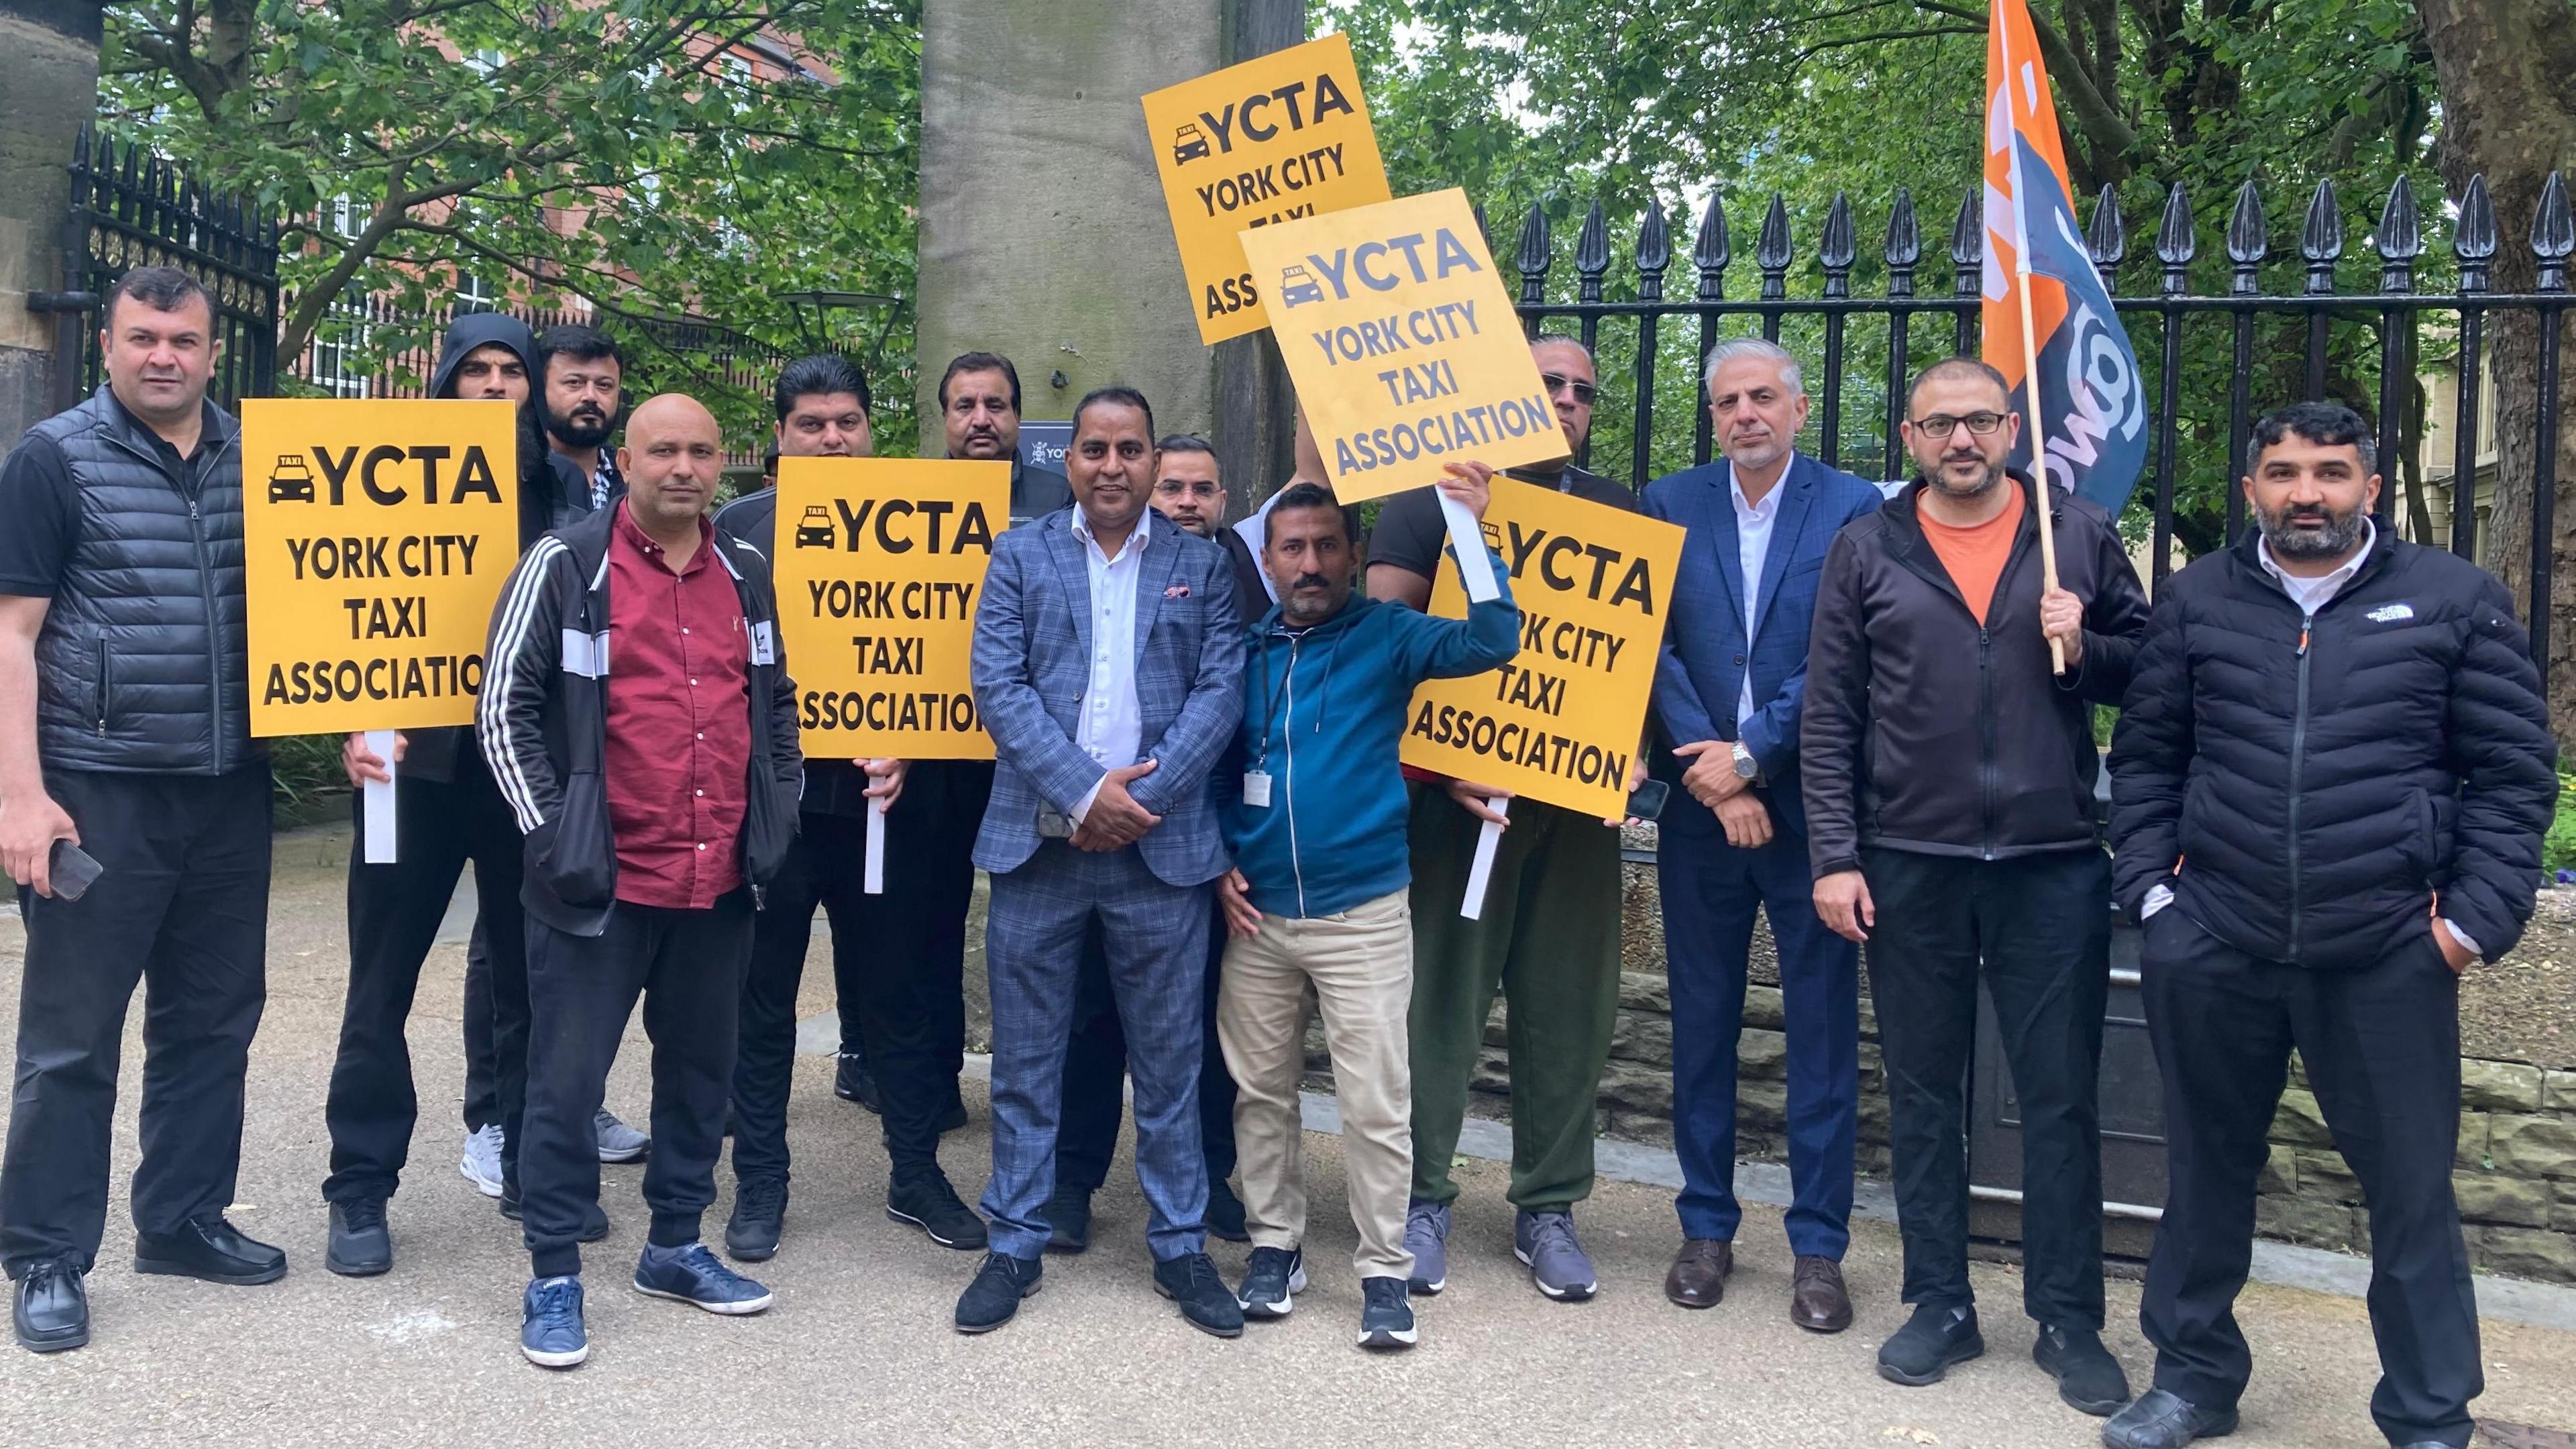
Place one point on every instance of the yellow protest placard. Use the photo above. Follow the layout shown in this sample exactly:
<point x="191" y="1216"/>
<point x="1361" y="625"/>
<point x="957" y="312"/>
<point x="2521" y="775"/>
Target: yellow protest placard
<point x="1403" y="345"/>
<point x="879" y="564"/>
<point x="1561" y="722"/>
<point x="1278" y="137"/>
<point x="376" y="536"/>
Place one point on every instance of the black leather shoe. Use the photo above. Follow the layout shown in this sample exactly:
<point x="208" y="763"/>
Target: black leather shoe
<point x="759" y="1216"/>
<point x="361" y="1246"/>
<point x="1191" y="1280"/>
<point x="53" y="1307"/>
<point x="215" y="1251"/>
<point x="930" y="1204"/>
<point x="2088" y="1377"/>
<point x="851" y="1082"/>
<point x="1068" y="1220"/>
<point x="1225" y="1213"/>
<point x="994" y="1297"/>
<point x="594" y="1218"/>
<point x="2160" y="1420"/>
<point x="1932" y="1340"/>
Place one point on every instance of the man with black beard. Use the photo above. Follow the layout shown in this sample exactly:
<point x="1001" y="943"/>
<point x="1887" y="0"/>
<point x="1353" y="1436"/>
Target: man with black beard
<point x="2328" y="790"/>
<point x="584" y="392"/>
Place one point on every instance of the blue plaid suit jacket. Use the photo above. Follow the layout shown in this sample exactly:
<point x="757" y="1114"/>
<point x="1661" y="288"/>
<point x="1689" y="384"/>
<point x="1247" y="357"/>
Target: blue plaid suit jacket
<point x="1032" y="665"/>
<point x="1700" y="673"/>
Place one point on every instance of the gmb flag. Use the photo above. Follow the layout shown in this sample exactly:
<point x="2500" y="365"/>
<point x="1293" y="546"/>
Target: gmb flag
<point x="2090" y="416"/>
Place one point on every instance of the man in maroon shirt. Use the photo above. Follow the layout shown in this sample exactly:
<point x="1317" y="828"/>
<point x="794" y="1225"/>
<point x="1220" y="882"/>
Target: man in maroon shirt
<point x="639" y="719"/>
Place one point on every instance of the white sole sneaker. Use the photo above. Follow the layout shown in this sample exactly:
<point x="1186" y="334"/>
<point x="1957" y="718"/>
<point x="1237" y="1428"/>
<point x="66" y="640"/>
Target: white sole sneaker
<point x="1573" y="1293"/>
<point x="1388" y="1337"/>
<point x="472" y="1171"/>
<point x="573" y="1359"/>
<point x="743" y="1309"/>
<point x="1287" y="1303"/>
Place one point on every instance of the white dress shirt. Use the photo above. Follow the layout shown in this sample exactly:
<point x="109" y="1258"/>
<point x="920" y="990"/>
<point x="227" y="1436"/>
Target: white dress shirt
<point x="1112" y="726"/>
<point x="1752" y="547"/>
<point x="2310" y="594"/>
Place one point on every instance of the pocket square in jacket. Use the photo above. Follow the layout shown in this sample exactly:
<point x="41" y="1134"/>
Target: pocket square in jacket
<point x="1177" y="591"/>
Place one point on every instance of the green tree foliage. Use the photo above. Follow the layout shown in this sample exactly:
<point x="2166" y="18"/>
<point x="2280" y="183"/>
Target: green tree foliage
<point x="1564" y="102"/>
<point x="420" y="141"/>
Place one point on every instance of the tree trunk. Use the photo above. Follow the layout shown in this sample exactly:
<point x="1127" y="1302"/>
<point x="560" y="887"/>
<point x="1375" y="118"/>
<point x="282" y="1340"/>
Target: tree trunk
<point x="2508" y="112"/>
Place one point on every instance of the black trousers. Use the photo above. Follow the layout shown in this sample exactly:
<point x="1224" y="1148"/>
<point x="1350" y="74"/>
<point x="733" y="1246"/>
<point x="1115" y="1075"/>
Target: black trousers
<point x="2381" y="1039"/>
<point x="394" y="913"/>
<point x="1095" y="1071"/>
<point x="2039" y="928"/>
<point x="482" y="1062"/>
<point x="182" y="907"/>
<point x="890" y="970"/>
<point x="688" y="967"/>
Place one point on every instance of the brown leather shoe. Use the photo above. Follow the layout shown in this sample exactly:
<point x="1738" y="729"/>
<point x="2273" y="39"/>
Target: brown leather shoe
<point x="1698" y="1278"/>
<point x="1818" y="1302"/>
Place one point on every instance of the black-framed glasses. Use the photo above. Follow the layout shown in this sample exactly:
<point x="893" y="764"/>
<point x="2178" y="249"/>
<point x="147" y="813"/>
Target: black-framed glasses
<point x="1941" y="425"/>
<point x="1584" y="392"/>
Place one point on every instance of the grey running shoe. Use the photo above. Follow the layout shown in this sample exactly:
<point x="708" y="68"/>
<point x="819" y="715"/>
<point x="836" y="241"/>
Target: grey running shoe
<point x="1426" y="1237"/>
<point x="481" y="1163"/>
<point x="617" y="1141"/>
<point x="1557" y="1262"/>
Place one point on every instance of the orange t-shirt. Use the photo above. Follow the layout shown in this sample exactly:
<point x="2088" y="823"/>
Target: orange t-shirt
<point x="1975" y="556"/>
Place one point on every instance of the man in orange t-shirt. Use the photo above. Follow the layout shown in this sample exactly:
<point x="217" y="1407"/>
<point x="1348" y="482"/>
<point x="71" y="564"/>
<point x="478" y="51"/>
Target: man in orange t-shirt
<point x="1951" y="826"/>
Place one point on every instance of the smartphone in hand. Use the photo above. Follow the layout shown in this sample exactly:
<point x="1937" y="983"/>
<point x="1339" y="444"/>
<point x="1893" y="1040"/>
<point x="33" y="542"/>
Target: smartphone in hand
<point x="1647" y="801"/>
<point x="73" y="871"/>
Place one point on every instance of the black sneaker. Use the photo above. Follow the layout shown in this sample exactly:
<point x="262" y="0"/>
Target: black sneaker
<point x="994" y="1297"/>
<point x="759" y="1215"/>
<point x="1069" y="1220"/>
<point x="1271" y="1280"/>
<point x="360" y="1245"/>
<point x="2088" y="1377"/>
<point x="930" y="1204"/>
<point x="1191" y="1280"/>
<point x="851" y="1083"/>
<point x="1932" y="1340"/>
<point x="1386" y="1317"/>
<point x="594" y="1218"/>
<point x="1225" y="1213"/>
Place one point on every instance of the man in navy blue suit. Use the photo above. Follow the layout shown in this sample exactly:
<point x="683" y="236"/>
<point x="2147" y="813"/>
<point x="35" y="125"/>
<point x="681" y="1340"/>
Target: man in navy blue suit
<point x="1727" y="692"/>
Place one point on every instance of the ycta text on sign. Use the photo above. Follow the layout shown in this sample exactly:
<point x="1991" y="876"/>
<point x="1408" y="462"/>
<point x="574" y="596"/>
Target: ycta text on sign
<point x="377" y="535"/>
<point x="880" y="567"/>
<point x="1561" y="721"/>
<point x="1403" y="344"/>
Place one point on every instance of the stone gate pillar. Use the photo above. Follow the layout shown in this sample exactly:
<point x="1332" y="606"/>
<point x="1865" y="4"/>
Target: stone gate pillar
<point x="49" y="77"/>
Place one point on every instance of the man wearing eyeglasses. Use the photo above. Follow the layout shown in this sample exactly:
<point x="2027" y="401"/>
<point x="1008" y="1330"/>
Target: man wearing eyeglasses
<point x="1549" y="938"/>
<point x="1949" y="777"/>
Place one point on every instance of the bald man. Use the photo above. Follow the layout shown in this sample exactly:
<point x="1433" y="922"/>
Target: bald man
<point x="659" y="796"/>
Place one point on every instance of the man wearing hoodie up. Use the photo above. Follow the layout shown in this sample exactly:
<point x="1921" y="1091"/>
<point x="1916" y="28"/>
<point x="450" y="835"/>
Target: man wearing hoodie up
<point x="1312" y="808"/>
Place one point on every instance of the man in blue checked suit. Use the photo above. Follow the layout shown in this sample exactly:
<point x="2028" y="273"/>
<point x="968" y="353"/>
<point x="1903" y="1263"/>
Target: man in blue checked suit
<point x="1108" y="667"/>
<point x="1728" y="687"/>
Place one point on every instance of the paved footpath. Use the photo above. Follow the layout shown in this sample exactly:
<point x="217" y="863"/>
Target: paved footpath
<point x="858" y="1350"/>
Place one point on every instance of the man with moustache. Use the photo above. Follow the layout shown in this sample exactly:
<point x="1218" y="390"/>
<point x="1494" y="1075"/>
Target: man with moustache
<point x="979" y="409"/>
<point x="1548" y="940"/>
<point x="639" y="718"/>
<point x="1951" y="827"/>
<point x="583" y="380"/>
<point x="1728" y="688"/>
<point x="1189" y="492"/>
<point x="893" y="989"/>
<point x="447" y="813"/>
<point x="2328" y="791"/>
<point x="1108" y="666"/>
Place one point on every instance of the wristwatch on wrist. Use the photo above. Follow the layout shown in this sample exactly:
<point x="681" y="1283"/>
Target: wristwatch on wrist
<point x="1745" y="768"/>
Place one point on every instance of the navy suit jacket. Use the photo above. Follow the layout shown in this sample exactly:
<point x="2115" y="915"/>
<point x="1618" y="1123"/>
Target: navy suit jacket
<point x="1700" y="674"/>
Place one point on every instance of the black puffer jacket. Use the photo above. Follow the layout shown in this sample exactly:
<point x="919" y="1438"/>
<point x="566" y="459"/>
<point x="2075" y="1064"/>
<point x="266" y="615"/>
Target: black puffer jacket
<point x="2317" y="780"/>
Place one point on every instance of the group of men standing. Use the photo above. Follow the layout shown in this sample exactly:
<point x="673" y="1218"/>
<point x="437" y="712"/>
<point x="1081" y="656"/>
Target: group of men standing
<point x="1876" y="707"/>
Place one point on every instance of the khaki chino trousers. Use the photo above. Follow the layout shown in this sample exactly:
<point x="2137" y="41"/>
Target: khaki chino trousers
<point x="1360" y="964"/>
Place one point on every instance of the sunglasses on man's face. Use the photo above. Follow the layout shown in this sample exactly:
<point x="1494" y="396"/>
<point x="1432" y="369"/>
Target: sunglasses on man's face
<point x="1584" y="392"/>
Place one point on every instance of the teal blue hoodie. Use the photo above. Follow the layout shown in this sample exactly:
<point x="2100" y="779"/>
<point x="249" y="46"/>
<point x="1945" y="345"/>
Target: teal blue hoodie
<point x="1323" y="710"/>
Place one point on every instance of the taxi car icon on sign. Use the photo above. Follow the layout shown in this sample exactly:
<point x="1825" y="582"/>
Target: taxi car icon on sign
<point x="291" y="481"/>
<point x="1189" y="144"/>
<point x="1297" y="287"/>
<point x="814" y="529"/>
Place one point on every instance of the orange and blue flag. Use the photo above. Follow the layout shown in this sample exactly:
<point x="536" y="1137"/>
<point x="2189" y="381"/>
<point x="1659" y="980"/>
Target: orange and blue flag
<point x="2091" y="413"/>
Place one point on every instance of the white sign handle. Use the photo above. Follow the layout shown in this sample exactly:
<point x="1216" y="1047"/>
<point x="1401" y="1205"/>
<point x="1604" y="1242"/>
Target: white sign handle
<point x="1480" y="875"/>
<point x="379" y="801"/>
<point x="876" y="848"/>
<point x="1475" y="566"/>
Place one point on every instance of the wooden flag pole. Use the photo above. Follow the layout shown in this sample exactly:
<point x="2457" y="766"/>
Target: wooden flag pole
<point x="2029" y="340"/>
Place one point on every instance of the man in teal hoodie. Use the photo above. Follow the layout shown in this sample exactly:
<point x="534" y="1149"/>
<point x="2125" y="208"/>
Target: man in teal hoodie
<point x="1313" y="807"/>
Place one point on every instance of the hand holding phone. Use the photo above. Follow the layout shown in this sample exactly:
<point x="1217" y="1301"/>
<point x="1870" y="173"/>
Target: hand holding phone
<point x="73" y="871"/>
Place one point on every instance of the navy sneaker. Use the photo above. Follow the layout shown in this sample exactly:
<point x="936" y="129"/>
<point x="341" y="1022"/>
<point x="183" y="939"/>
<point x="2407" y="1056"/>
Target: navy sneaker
<point x="1426" y="1237"/>
<point x="1386" y="1318"/>
<point x="1558" y="1265"/>
<point x="1271" y="1280"/>
<point x="692" y="1275"/>
<point x="551" y="1332"/>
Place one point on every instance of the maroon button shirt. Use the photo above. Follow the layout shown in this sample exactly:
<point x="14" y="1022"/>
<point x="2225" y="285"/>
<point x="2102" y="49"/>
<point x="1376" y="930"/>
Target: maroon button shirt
<point x="678" y="760"/>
